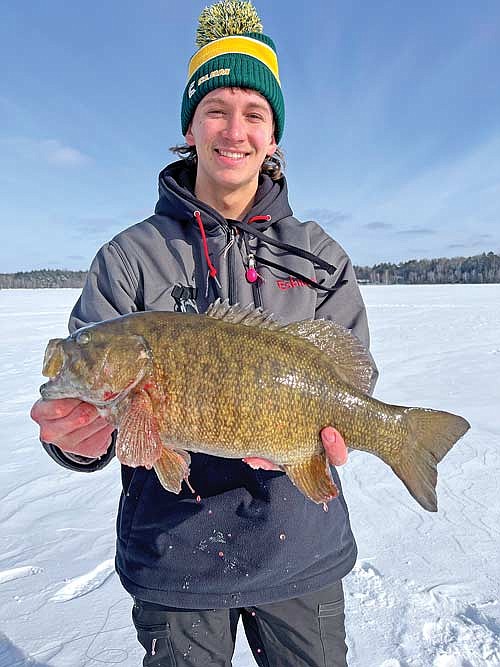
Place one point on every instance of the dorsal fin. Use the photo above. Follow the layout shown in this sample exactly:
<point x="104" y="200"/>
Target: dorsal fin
<point x="353" y="362"/>
<point x="247" y="315"/>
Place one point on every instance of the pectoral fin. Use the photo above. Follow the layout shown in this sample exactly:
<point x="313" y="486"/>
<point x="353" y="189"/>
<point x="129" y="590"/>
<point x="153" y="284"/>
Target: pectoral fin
<point x="313" y="478"/>
<point x="138" y="442"/>
<point x="172" y="468"/>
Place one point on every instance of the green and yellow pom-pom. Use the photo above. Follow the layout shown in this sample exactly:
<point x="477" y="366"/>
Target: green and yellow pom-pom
<point x="225" y="18"/>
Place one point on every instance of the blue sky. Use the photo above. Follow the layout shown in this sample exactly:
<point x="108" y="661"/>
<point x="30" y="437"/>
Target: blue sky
<point x="392" y="135"/>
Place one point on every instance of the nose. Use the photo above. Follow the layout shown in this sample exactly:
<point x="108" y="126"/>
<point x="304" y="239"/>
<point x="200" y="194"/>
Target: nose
<point x="234" y="130"/>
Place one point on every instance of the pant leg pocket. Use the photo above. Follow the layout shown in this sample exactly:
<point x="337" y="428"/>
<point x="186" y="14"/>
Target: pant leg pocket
<point x="153" y="633"/>
<point x="332" y="632"/>
<point x="331" y="609"/>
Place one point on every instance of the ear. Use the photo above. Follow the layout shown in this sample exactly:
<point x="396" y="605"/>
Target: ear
<point x="189" y="136"/>
<point x="271" y="149"/>
<point x="272" y="142"/>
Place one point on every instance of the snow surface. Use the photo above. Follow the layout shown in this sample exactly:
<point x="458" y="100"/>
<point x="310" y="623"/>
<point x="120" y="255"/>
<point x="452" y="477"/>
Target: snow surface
<point x="426" y="588"/>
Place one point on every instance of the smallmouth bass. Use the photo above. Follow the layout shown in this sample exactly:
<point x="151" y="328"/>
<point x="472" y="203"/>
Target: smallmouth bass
<point x="236" y="383"/>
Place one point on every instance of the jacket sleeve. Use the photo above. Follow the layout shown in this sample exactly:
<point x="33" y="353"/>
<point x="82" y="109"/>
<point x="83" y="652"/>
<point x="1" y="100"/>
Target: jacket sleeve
<point x="110" y="290"/>
<point x="80" y="463"/>
<point x="345" y="305"/>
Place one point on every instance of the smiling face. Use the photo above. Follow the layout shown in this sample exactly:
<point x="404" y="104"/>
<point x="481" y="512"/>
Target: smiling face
<point x="233" y="131"/>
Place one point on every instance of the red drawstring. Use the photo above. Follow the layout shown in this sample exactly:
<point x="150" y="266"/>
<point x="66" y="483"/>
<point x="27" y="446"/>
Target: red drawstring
<point x="259" y="217"/>
<point x="211" y="268"/>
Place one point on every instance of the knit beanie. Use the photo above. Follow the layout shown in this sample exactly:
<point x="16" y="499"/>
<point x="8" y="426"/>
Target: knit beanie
<point x="233" y="51"/>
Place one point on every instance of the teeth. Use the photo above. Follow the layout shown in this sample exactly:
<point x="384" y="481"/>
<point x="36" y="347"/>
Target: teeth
<point x="235" y="156"/>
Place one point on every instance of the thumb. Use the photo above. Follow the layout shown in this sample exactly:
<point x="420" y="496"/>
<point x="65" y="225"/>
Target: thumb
<point x="334" y="445"/>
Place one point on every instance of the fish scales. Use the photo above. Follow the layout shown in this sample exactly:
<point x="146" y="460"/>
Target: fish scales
<point x="235" y="383"/>
<point x="240" y="390"/>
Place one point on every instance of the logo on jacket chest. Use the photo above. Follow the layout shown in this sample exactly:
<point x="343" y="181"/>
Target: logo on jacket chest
<point x="290" y="283"/>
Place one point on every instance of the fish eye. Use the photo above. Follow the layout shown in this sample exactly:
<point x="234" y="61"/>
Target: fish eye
<point x="82" y="338"/>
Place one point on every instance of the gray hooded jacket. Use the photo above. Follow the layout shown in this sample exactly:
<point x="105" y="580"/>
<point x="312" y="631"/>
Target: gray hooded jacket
<point x="250" y="537"/>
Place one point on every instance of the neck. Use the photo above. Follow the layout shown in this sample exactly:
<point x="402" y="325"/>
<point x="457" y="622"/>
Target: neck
<point x="233" y="204"/>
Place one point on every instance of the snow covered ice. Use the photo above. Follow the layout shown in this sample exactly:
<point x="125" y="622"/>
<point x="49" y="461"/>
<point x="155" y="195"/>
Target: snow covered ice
<point x="426" y="588"/>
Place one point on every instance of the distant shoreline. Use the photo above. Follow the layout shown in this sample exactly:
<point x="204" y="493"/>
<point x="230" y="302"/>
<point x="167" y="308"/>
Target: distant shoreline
<point x="478" y="269"/>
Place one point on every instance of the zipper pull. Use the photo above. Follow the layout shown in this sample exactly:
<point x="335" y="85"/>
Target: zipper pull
<point x="251" y="273"/>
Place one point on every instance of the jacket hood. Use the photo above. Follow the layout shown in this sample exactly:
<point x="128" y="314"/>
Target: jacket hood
<point x="177" y="199"/>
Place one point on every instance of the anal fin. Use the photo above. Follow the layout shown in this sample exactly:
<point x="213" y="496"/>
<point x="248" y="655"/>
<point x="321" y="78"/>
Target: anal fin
<point x="313" y="478"/>
<point x="172" y="468"/>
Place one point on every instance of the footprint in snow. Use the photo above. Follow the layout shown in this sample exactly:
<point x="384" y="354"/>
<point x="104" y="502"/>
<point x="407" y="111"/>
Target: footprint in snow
<point x="454" y="632"/>
<point x="436" y="627"/>
<point x="86" y="583"/>
<point x="369" y="587"/>
<point x="449" y="661"/>
<point x="19" y="573"/>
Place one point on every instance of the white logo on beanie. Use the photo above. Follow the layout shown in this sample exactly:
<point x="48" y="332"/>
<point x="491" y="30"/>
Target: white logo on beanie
<point x="206" y="77"/>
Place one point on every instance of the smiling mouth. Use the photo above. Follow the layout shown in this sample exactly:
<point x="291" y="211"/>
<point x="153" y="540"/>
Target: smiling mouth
<point x="234" y="155"/>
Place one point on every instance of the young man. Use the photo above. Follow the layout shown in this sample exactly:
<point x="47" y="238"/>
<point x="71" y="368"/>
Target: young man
<point x="251" y="546"/>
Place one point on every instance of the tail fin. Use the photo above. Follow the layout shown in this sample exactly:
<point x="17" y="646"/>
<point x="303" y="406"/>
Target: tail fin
<point x="431" y="435"/>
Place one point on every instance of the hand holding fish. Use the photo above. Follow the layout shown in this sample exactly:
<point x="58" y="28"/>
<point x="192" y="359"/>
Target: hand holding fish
<point x="333" y="442"/>
<point x="73" y="425"/>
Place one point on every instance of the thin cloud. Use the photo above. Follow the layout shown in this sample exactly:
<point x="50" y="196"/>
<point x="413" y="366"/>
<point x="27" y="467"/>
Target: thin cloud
<point x="477" y="241"/>
<point x="417" y="231"/>
<point x="57" y="153"/>
<point x="50" y="151"/>
<point x="376" y="225"/>
<point x="481" y="240"/>
<point x="102" y="227"/>
<point x="85" y="227"/>
<point x="327" y="216"/>
<point x="457" y="246"/>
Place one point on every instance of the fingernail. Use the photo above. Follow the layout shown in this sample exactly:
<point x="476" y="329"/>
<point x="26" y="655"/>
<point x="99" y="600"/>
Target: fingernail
<point x="331" y="437"/>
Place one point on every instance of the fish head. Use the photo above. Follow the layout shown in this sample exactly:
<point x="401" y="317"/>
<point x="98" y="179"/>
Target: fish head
<point x="95" y="364"/>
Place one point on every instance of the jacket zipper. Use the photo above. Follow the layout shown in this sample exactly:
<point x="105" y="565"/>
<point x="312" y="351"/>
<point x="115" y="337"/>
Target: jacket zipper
<point x="257" y="298"/>
<point x="231" y="233"/>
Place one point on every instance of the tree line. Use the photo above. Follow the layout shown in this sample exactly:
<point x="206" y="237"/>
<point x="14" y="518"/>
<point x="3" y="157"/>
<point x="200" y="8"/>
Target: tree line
<point x="484" y="268"/>
<point x="42" y="278"/>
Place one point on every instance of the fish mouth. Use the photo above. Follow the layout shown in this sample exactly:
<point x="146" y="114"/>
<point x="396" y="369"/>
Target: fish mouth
<point x="73" y="375"/>
<point x="57" y="388"/>
<point x="53" y="389"/>
<point x="53" y="364"/>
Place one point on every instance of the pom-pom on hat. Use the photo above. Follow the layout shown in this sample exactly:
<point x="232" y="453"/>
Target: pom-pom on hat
<point x="233" y="52"/>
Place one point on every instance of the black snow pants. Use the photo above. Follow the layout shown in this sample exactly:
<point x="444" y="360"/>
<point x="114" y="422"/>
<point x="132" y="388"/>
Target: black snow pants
<point x="307" y="631"/>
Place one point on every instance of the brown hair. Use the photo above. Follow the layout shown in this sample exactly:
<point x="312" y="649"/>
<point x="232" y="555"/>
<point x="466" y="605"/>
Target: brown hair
<point x="273" y="165"/>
